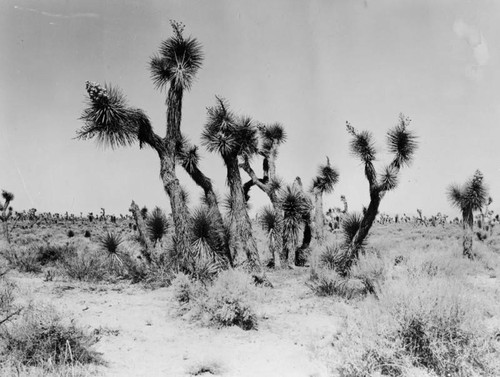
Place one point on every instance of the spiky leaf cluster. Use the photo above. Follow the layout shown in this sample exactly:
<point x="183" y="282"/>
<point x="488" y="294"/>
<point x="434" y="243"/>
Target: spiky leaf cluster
<point x="267" y="220"/>
<point x="206" y="238"/>
<point x="227" y="134"/>
<point x="389" y="178"/>
<point x="177" y="61"/>
<point x="110" y="120"/>
<point x="297" y="208"/>
<point x="350" y="226"/>
<point x="471" y="196"/>
<point x="326" y="179"/>
<point x="157" y="225"/>
<point x="110" y="243"/>
<point x="189" y="157"/>
<point x="362" y="144"/>
<point x="402" y="142"/>
<point x="271" y="135"/>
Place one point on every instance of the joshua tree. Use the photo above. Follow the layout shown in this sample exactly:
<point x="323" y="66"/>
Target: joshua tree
<point x="323" y="183"/>
<point x="297" y="208"/>
<point x="233" y="138"/>
<point x="272" y="136"/>
<point x="6" y="212"/>
<point x="402" y="143"/>
<point x="468" y="198"/>
<point x="109" y="118"/>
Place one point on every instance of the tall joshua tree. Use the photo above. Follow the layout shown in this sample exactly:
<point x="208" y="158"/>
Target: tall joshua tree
<point x="272" y="137"/>
<point x="110" y="120"/>
<point x="469" y="197"/>
<point x="234" y="137"/>
<point x="6" y="212"/>
<point x="402" y="143"/>
<point x="323" y="183"/>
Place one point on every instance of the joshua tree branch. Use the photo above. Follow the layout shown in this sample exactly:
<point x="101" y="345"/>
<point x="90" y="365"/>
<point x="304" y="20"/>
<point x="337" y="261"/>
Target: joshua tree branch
<point x="245" y="165"/>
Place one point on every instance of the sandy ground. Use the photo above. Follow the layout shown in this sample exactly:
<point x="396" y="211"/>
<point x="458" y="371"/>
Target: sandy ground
<point x="142" y="336"/>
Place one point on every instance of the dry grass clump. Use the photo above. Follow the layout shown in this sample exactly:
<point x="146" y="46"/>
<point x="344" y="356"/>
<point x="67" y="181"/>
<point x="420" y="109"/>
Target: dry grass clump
<point x="365" y="277"/>
<point x="228" y="301"/>
<point x="39" y="336"/>
<point x="433" y="324"/>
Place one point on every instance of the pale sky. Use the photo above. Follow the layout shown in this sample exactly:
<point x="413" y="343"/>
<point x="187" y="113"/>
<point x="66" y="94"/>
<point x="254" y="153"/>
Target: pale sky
<point x="310" y="65"/>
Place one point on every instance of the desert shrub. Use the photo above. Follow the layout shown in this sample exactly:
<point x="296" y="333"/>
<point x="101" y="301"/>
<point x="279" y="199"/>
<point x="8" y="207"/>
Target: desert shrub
<point x="39" y="336"/>
<point x="85" y="267"/>
<point x="87" y="234"/>
<point x="229" y="301"/>
<point x="70" y="233"/>
<point x="23" y="258"/>
<point x="431" y="324"/>
<point x="372" y="270"/>
<point x="329" y="258"/>
<point x="185" y="289"/>
<point x="325" y="282"/>
<point x="53" y="253"/>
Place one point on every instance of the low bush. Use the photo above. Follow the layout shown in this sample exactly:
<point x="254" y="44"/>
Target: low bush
<point x="229" y="301"/>
<point x="186" y="290"/>
<point x="23" y="258"/>
<point x="87" y="266"/>
<point x="53" y="253"/>
<point x="433" y="325"/>
<point x="325" y="282"/>
<point x="39" y="336"/>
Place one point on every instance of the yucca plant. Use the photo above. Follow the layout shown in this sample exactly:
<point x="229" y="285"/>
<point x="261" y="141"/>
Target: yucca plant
<point x="232" y="138"/>
<point x="323" y="183"/>
<point x="110" y="243"/>
<point x="111" y="121"/>
<point x="469" y="197"/>
<point x="402" y="143"/>
<point x="157" y="225"/>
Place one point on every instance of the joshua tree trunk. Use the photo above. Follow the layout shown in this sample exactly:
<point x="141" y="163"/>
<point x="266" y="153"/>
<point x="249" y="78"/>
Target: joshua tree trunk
<point x="352" y="252"/>
<point x="278" y="244"/>
<point x="269" y="167"/>
<point x="242" y="244"/>
<point x="141" y="227"/>
<point x="468" y="225"/>
<point x="180" y="212"/>
<point x="319" y="229"/>
<point x="367" y="222"/>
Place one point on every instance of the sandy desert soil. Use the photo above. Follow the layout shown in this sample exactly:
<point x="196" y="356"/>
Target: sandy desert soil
<point x="141" y="334"/>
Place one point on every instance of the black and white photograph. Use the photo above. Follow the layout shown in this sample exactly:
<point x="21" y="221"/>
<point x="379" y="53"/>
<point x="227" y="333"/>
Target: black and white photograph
<point x="250" y="188"/>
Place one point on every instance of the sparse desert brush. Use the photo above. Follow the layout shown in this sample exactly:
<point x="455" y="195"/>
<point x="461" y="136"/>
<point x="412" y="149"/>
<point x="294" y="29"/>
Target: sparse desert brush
<point x="326" y="282"/>
<point x="24" y="258"/>
<point x="86" y="266"/>
<point x="434" y="324"/>
<point x="40" y="337"/>
<point x="51" y="253"/>
<point x="365" y="277"/>
<point x="185" y="289"/>
<point x="230" y="300"/>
